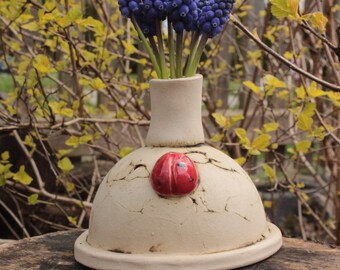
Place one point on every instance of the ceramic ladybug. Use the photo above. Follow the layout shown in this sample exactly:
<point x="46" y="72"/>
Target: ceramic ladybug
<point x="174" y="174"/>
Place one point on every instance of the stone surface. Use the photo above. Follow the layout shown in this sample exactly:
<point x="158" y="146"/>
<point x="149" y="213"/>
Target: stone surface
<point x="55" y="251"/>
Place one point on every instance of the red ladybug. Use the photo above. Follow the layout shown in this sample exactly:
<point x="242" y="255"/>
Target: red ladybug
<point x="174" y="174"/>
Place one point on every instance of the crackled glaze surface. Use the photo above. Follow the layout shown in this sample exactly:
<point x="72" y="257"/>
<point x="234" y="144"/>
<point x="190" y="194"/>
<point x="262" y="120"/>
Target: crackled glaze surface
<point x="225" y="212"/>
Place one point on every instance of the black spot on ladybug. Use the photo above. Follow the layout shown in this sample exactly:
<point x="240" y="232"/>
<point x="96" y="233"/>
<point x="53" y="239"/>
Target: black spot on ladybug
<point x="158" y="183"/>
<point x="191" y="179"/>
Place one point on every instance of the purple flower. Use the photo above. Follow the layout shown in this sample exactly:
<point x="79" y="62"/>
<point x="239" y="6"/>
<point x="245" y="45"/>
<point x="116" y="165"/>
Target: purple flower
<point x="182" y="14"/>
<point x="212" y="15"/>
<point x="146" y="12"/>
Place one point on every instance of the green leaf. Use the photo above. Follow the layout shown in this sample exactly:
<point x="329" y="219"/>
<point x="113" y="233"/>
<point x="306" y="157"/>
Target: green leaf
<point x="31" y="26"/>
<point x="319" y="133"/>
<point x="270" y="173"/>
<point x="65" y="165"/>
<point x="304" y="122"/>
<point x="124" y="151"/>
<point x="85" y="139"/>
<point x="269" y="127"/>
<point x="75" y="13"/>
<point x="267" y="204"/>
<point x="61" y="109"/>
<point x="66" y="112"/>
<point x="72" y="141"/>
<point x="42" y="64"/>
<point x="241" y="160"/>
<point x="309" y="109"/>
<point x="253" y="151"/>
<point x="285" y="8"/>
<point x="29" y="141"/>
<point x="2" y="180"/>
<point x="272" y="81"/>
<point x="33" y="199"/>
<point x="219" y="103"/>
<point x="242" y="135"/>
<point x="5" y="155"/>
<point x="274" y="146"/>
<point x="288" y="55"/>
<point x="63" y="152"/>
<point x="217" y="137"/>
<point x="314" y="91"/>
<point x="69" y="186"/>
<point x="303" y="146"/>
<point x="261" y="142"/>
<point x="120" y="114"/>
<point x="5" y="173"/>
<point x="22" y="177"/>
<point x="319" y="21"/>
<point x="129" y="47"/>
<point x="72" y="220"/>
<point x="5" y="168"/>
<point x="97" y="83"/>
<point x="300" y="92"/>
<point x="253" y="87"/>
<point x="220" y="120"/>
<point x="236" y="118"/>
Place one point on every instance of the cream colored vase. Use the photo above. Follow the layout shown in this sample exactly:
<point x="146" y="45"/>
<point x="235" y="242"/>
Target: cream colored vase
<point x="220" y="225"/>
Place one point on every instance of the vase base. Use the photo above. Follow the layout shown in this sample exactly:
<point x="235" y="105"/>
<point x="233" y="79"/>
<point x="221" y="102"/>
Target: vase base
<point x="102" y="259"/>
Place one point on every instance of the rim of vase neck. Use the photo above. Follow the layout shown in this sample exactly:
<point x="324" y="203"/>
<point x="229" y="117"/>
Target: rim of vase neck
<point x="191" y="78"/>
<point x="176" y="106"/>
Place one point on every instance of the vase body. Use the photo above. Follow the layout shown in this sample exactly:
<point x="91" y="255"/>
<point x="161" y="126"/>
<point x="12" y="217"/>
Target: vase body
<point x="222" y="217"/>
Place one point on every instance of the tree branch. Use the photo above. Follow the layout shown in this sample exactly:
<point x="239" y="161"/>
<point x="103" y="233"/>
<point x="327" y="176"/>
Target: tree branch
<point x="286" y="62"/>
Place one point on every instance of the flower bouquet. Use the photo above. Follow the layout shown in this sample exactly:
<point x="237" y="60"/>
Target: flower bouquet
<point x="201" y="19"/>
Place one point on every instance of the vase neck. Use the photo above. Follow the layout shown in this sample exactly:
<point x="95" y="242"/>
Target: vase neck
<point x="176" y="116"/>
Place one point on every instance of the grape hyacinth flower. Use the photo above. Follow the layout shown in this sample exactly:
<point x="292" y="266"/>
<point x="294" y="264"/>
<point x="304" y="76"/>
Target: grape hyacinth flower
<point x="213" y="14"/>
<point x="182" y="14"/>
<point x="146" y="12"/>
<point x="203" y="18"/>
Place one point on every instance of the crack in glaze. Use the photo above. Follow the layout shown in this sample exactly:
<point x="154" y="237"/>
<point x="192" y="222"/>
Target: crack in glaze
<point x="238" y="214"/>
<point x="193" y="200"/>
<point x="194" y="203"/>
<point x="208" y="210"/>
<point x="135" y="167"/>
<point x="141" y="211"/>
<point x="210" y="161"/>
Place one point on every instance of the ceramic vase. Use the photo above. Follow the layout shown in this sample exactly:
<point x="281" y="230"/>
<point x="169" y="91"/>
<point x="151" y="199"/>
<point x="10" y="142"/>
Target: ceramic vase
<point x="216" y="221"/>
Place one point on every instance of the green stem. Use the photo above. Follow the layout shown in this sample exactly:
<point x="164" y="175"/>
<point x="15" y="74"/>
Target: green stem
<point x="161" y="49"/>
<point x="171" y="50"/>
<point x="191" y="71"/>
<point x="147" y="46"/>
<point x="179" y="52"/>
<point x="193" y="50"/>
<point x="154" y="48"/>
